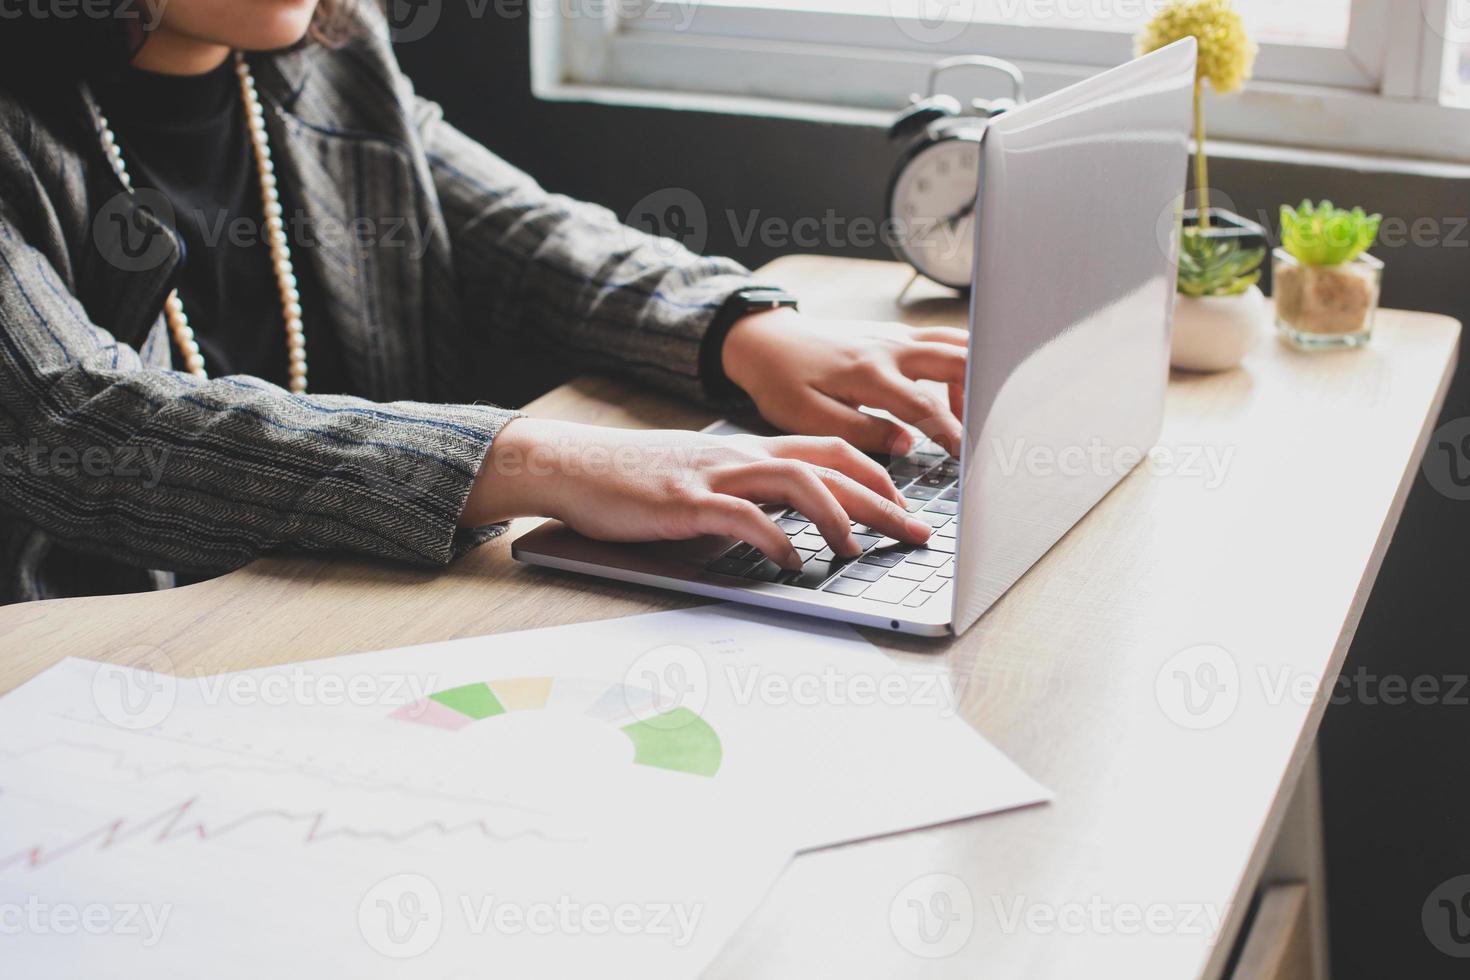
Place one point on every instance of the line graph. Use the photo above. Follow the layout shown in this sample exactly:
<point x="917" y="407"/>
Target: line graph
<point x="153" y="763"/>
<point x="171" y="824"/>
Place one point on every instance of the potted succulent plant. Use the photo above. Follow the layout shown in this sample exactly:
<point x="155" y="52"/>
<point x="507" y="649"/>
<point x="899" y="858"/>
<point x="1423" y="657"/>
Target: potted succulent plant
<point x="1227" y="56"/>
<point x="1326" y="284"/>
<point x="1221" y="308"/>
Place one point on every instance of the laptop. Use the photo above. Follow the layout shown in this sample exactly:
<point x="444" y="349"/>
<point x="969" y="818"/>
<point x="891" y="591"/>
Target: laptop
<point x="1077" y="240"/>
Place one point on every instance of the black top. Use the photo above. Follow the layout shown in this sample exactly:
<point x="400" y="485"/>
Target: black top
<point x="185" y="137"/>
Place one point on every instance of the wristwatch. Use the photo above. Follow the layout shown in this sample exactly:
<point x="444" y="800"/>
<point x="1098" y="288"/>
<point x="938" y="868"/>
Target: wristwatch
<point x="740" y="304"/>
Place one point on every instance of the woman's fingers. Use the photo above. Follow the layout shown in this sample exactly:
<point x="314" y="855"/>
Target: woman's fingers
<point x="920" y="407"/>
<point x="830" y="499"/>
<point x="941" y="335"/>
<point x="822" y="413"/>
<point x="841" y="455"/>
<point x="867" y="507"/>
<point x="939" y="359"/>
<point x="933" y="362"/>
<point x="795" y="484"/>
<point x="733" y="517"/>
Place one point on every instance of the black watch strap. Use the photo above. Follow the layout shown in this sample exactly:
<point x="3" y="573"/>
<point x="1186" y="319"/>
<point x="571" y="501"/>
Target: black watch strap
<point x="741" y="303"/>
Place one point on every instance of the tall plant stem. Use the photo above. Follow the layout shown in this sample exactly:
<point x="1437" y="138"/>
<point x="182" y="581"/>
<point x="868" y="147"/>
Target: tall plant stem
<point x="1201" y="162"/>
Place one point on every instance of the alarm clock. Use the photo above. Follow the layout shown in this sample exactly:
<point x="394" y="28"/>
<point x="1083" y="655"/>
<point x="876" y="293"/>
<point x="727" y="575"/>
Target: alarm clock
<point x="931" y="198"/>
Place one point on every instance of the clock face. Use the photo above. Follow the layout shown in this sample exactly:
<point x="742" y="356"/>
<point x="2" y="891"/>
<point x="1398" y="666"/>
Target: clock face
<point x="933" y="210"/>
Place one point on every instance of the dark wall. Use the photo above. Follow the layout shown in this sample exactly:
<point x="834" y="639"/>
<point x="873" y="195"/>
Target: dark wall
<point x="1397" y="777"/>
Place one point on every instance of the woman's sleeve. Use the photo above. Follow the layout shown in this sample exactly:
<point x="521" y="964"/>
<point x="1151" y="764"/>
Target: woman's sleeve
<point x="160" y="469"/>
<point x="568" y="277"/>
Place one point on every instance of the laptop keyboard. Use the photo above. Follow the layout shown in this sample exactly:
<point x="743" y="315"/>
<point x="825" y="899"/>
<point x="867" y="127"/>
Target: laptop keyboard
<point x="887" y="571"/>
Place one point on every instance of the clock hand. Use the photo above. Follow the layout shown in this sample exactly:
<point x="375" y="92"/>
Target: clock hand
<point x="953" y="221"/>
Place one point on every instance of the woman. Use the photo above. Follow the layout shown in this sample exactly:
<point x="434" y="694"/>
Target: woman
<point x="254" y="293"/>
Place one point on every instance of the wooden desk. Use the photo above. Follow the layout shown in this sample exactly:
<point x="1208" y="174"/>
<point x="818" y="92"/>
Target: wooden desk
<point x="1152" y="818"/>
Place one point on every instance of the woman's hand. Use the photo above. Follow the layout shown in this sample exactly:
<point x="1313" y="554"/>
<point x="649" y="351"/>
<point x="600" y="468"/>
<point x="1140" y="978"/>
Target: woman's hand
<point x="624" y="485"/>
<point x="811" y="376"/>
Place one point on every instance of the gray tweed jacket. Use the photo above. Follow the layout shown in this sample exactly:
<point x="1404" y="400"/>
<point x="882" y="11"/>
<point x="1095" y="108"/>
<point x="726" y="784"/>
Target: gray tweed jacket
<point x="449" y="276"/>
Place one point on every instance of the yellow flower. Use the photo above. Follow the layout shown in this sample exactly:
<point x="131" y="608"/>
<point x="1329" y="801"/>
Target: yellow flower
<point x="1226" y="52"/>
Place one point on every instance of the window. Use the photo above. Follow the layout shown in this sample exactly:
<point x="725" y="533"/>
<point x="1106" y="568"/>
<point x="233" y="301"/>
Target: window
<point x="1385" y="76"/>
<point x="1319" y="22"/>
<point x="1457" y="76"/>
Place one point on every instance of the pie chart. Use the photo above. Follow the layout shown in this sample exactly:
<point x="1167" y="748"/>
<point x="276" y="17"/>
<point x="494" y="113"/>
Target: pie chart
<point x="677" y="739"/>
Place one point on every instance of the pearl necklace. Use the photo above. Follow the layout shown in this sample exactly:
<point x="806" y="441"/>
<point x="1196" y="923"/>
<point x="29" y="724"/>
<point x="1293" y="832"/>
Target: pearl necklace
<point x="275" y="230"/>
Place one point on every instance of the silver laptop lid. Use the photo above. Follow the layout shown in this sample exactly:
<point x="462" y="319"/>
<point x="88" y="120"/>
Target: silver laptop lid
<point x="1071" y="314"/>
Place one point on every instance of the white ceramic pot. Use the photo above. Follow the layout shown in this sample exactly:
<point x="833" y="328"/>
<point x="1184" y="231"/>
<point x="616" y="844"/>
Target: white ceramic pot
<point x="1215" y="333"/>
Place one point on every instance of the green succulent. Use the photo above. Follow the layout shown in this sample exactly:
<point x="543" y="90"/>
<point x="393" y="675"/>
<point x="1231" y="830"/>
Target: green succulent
<point x="1325" y="235"/>
<point x="1217" y="266"/>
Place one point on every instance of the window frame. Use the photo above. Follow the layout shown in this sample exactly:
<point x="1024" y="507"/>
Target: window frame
<point x="749" y="59"/>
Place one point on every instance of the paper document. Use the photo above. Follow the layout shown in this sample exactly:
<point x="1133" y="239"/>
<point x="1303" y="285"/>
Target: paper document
<point x="611" y="798"/>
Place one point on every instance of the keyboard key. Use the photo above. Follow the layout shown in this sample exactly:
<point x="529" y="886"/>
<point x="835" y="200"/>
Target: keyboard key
<point x="912" y="504"/>
<point x="949" y="530"/>
<point x="943" y="507"/>
<point x="826" y="554"/>
<point x="917" y="599"/>
<point x="885" y="557"/>
<point x="847" y="586"/>
<point x="866" y="541"/>
<point x="934" y="520"/>
<point x="736" y="567"/>
<point x="767" y="571"/>
<point x="744" y="551"/>
<point x="920" y="492"/>
<point x="894" y="590"/>
<point x="815" y="572"/>
<point x="933" y="559"/>
<point x="867" y="573"/>
<point x="937" y="479"/>
<point x="912" y="572"/>
<point x="934" y="584"/>
<point x="809" y="541"/>
<point x="792" y="526"/>
<point x="936" y="543"/>
<point x="947" y="571"/>
<point x="953" y="493"/>
<point x="795" y="515"/>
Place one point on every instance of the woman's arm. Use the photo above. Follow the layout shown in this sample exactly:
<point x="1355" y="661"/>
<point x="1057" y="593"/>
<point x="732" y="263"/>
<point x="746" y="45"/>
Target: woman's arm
<point x="161" y="470"/>
<point x="559" y="279"/>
